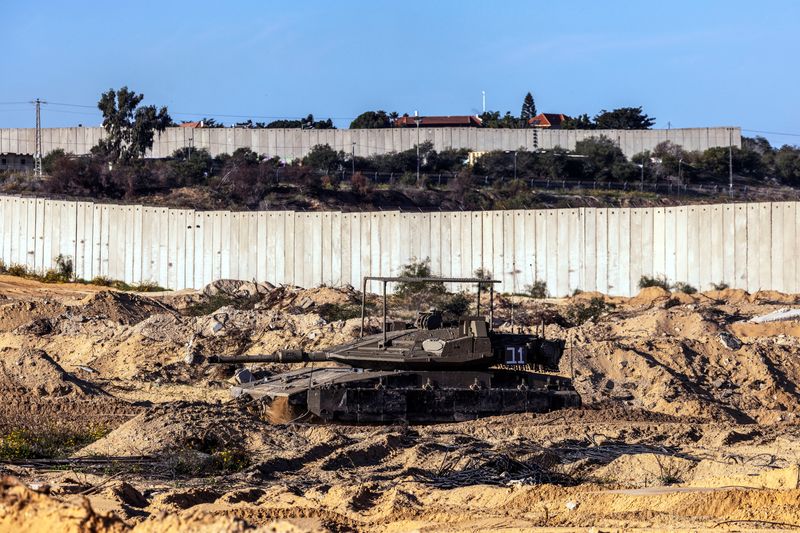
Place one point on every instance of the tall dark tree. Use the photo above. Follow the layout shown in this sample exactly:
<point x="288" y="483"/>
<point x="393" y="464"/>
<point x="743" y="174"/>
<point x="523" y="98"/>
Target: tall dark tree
<point x="307" y="123"/>
<point x="581" y="122"/>
<point x="528" y="109"/>
<point x="492" y="119"/>
<point x="324" y="158"/>
<point x="129" y="128"/>
<point x="624" y="118"/>
<point x="373" y="119"/>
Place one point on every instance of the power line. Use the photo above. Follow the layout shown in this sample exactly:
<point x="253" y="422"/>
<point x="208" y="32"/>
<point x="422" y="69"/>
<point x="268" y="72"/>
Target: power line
<point x="74" y="105"/>
<point x="773" y="133"/>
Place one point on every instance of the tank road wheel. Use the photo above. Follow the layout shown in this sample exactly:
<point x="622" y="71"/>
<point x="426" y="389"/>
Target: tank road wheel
<point x="280" y="411"/>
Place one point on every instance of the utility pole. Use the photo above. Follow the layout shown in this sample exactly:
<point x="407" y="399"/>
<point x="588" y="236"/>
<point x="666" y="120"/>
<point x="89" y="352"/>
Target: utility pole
<point x="417" y="120"/>
<point x="353" y="160"/>
<point x="483" y="99"/>
<point x="730" y="160"/>
<point x="37" y="156"/>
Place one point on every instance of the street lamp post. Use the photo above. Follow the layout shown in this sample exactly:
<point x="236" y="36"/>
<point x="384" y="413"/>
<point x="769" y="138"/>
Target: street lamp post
<point x="730" y="160"/>
<point x="515" y="161"/>
<point x="643" y="160"/>
<point x="515" y="165"/>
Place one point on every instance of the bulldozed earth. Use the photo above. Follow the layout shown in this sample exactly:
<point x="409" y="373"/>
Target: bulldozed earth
<point x="690" y="419"/>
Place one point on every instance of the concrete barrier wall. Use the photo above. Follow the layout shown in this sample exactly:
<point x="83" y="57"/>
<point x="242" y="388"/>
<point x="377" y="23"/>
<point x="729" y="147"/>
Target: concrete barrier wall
<point x="748" y="246"/>
<point x="294" y="143"/>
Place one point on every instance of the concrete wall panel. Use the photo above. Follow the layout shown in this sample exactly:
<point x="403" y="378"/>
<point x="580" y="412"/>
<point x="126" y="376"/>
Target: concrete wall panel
<point x="787" y="244"/>
<point x="694" y="243"/>
<point x="753" y="234"/>
<point x="129" y="217"/>
<point x="682" y="251"/>
<point x="647" y="251"/>
<point x="262" y="249"/>
<point x="290" y="246"/>
<point x="764" y="245"/>
<point x="510" y="270"/>
<point x="589" y="267"/>
<point x="271" y="229"/>
<point x="364" y="250"/>
<point x="750" y="246"/>
<point x="522" y="259"/>
<point x="562" y="253"/>
<point x="553" y="276"/>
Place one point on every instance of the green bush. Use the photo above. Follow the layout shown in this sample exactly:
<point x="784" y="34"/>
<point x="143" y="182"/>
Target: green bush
<point x="538" y="289"/>
<point x="145" y="286"/>
<point x="657" y="281"/>
<point x="17" y="270"/>
<point x="18" y="444"/>
<point x="221" y="300"/>
<point x="721" y="286"/>
<point x="578" y="313"/>
<point x="453" y="306"/>
<point x="684" y="287"/>
<point x="335" y="312"/>
<point x="417" y="269"/>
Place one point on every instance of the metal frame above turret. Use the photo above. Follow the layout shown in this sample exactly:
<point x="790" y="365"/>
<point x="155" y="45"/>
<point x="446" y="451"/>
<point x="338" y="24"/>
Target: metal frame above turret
<point x="386" y="280"/>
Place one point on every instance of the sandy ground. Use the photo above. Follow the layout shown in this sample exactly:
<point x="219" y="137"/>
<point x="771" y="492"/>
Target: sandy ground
<point x="689" y="423"/>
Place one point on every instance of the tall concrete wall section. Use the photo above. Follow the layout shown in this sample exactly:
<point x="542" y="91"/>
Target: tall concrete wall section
<point x="291" y="144"/>
<point x="748" y="246"/>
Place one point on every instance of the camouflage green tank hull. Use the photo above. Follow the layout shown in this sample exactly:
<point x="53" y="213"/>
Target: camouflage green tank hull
<point x="364" y="396"/>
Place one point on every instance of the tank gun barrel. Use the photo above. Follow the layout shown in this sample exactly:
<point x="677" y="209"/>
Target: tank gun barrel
<point x="283" y="356"/>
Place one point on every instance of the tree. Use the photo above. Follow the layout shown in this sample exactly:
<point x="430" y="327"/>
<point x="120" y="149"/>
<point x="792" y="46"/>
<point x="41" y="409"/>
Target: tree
<point x="673" y="160"/>
<point x="528" y="109"/>
<point x="48" y="161"/>
<point x="492" y="119"/>
<point x="373" y="119"/>
<point x="211" y="123"/>
<point x="129" y="128"/>
<point x="188" y="166"/>
<point x="604" y="160"/>
<point x="324" y="158"/>
<point x="787" y="164"/>
<point x="624" y="118"/>
<point x="307" y="123"/>
<point x="247" y="177"/>
<point x="581" y="122"/>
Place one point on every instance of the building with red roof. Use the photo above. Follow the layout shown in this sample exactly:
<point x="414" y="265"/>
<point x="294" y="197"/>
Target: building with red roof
<point x="551" y="121"/>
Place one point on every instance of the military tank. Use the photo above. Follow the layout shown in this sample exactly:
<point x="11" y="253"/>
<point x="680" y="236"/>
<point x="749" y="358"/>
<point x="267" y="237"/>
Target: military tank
<point x="428" y="372"/>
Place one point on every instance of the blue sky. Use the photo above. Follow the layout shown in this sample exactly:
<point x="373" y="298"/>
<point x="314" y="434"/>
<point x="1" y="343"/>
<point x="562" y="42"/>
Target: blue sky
<point x="689" y="63"/>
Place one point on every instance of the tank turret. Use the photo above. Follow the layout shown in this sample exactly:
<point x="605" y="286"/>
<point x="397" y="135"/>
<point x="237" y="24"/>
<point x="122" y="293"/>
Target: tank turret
<point x="426" y="373"/>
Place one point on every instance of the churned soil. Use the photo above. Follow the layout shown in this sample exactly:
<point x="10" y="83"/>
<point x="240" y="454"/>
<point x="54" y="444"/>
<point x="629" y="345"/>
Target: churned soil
<point x="690" y="419"/>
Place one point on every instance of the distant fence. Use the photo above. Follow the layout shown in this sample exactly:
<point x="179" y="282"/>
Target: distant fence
<point x="749" y="246"/>
<point x="290" y="144"/>
<point x="742" y="189"/>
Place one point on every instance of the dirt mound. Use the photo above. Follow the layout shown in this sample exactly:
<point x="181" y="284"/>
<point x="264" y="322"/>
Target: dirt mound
<point x="182" y="427"/>
<point x="673" y="361"/>
<point x="29" y="372"/>
<point x="121" y="307"/>
<point x="22" y="509"/>
<point x="649" y="296"/>
<point x="19" y="313"/>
